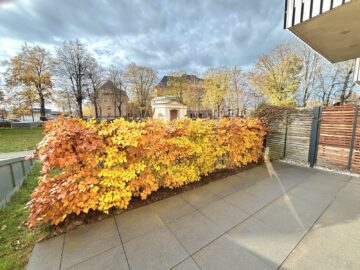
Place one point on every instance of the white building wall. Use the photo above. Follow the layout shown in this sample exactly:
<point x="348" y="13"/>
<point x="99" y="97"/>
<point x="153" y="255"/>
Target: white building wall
<point x="163" y="112"/>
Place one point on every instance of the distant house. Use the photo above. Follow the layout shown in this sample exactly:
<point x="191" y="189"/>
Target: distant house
<point x="113" y="102"/>
<point x="36" y="114"/>
<point x="168" y="108"/>
<point x="3" y="114"/>
<point x="170" y="86"/>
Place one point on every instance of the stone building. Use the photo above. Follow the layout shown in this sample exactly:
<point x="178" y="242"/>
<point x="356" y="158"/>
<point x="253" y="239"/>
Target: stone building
<point x="189" y="89"/>
<point x="168" y="108"/>
<point x="113" y="102"/>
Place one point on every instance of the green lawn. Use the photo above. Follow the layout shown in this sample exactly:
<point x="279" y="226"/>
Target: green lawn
<point x="19" y="139"/>
<point x="16" y="240"/>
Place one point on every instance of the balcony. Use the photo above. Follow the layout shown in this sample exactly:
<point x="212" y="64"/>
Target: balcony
<point x="330" y="27"/>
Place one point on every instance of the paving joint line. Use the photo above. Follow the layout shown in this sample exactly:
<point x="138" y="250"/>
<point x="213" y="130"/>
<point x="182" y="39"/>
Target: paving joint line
<point x="121" y="241"/>
<point x="62" y="251"/>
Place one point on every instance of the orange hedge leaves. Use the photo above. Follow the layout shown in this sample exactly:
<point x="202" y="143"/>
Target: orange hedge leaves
<point x="99" y="166"/>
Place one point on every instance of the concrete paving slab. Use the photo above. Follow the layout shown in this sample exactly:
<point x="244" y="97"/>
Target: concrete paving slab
<point x="307" y="212"/>
<point x="324" y="249"/>
<point x="242" y="181"/>
<point x="349" y="194"/>
<point x="199" y="197"/>
<point x="188" y="264"/>
<point x="331" y="175"/>
<point x="172" y="208"/>
<point x="327" y="187"/>
<point x="109" y="260"/>
<point x="264" y="241"/>
<point x="194" y="231"/>
<point x="224" y="214"/>
<point x="342" y="218"/>
<point x="355" y="180"/>
<point x="137" y="222"/>
<point x="311" y="196"/>
<point x="266" y="190"/>
<point x="282" y="219"/>
<point x="257" y="174"/>
<point x="221" y="188"/>
<point x="89" y="241"/>
<point x="46" y="255"/>
<point x="245" y="201"/>
<point x="156" y="250"/>
<point x="226" y="253"/>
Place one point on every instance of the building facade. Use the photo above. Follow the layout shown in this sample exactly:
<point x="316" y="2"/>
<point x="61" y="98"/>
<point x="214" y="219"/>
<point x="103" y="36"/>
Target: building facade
<point x="112" y="101"/>
<point x="168" y="108"/>
<point x="190" y="91"/>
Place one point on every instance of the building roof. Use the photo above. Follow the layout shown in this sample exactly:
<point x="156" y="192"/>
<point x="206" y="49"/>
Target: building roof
<point x="188" y="77"/>
<point x="110" y="85"/>
<point x="166" y="100"/>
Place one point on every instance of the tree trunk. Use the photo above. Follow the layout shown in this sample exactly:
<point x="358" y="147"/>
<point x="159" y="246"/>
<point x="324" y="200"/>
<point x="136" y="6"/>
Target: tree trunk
<point x="32" y="113"/>
<point x="42" y="106"/>
<point x="96" y="109"/>
<point x="79" y="102"/>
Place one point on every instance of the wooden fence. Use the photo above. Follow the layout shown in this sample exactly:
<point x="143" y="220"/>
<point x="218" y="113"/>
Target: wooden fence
<point x="289" y="137"/>
<point x="329" y="136"/>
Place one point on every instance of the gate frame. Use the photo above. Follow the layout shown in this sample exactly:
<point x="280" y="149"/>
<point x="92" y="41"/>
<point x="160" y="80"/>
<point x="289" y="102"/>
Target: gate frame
<point x="314" y="136"/>
<point x="353" y="135"/>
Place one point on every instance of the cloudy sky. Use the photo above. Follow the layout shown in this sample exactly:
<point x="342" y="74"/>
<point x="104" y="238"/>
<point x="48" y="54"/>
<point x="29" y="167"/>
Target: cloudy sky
<point x="190" y="35"/>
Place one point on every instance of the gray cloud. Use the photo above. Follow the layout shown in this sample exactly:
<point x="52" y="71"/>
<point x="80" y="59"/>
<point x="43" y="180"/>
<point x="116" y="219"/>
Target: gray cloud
<point x="165" y="34"/>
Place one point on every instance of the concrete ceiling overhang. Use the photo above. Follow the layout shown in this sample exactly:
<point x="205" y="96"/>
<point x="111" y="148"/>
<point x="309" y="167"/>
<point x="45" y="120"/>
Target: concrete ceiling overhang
<point x="334" y="34"/>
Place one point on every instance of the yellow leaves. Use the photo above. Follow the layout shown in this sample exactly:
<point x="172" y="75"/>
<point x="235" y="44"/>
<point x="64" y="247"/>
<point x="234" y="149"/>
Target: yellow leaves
<point x="100" y="166"/>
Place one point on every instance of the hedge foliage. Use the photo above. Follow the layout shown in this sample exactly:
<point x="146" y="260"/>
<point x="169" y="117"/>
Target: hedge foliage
<point x="99" y="166"/>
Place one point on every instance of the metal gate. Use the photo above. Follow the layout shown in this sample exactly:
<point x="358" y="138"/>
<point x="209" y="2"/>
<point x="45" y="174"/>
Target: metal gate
<point x="324" y="136"/>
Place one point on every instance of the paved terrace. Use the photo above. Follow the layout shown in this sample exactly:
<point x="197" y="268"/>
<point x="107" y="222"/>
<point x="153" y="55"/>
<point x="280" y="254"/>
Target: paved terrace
<point x="271" y="217"/>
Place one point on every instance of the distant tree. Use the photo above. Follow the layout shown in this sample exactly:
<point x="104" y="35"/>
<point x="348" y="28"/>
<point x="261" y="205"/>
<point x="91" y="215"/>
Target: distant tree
<point x="346" y="80"/>
<point x="277" y="75"/>
<point x="310" y="65"/>
<point x="238" y="96"/>
<point x="194" y="93"/>
<point x="64" y="100"/>
<point x="177" y="85"/>
<point x="2" y="96"/>
<point x="327" y="83"/>
<point x="141" y="82"/>
<point x="335" y="82"/>
<point x="32" y="69"/>
<point x="73" y="65"/>
<point x="22" y="102"/>
<point x="216" y="84"/>
<point x="117" y="76"/>
<point x="95" y="75"/>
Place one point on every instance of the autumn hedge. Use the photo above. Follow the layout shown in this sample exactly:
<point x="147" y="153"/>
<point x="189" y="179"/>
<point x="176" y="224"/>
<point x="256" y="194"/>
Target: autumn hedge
<point x="99" y="166"/>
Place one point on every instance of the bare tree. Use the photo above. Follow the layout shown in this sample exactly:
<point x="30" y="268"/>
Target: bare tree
<point x="310" y="65"/>
<point x="238" y="96"/>
<point x="347" y="83"/>
<point x="141" y="81"/>
<point x="95" y="75"/>
<point x="335" y="82"/>
<point x="73" y="64"/>
<point x="117" y="76"/>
